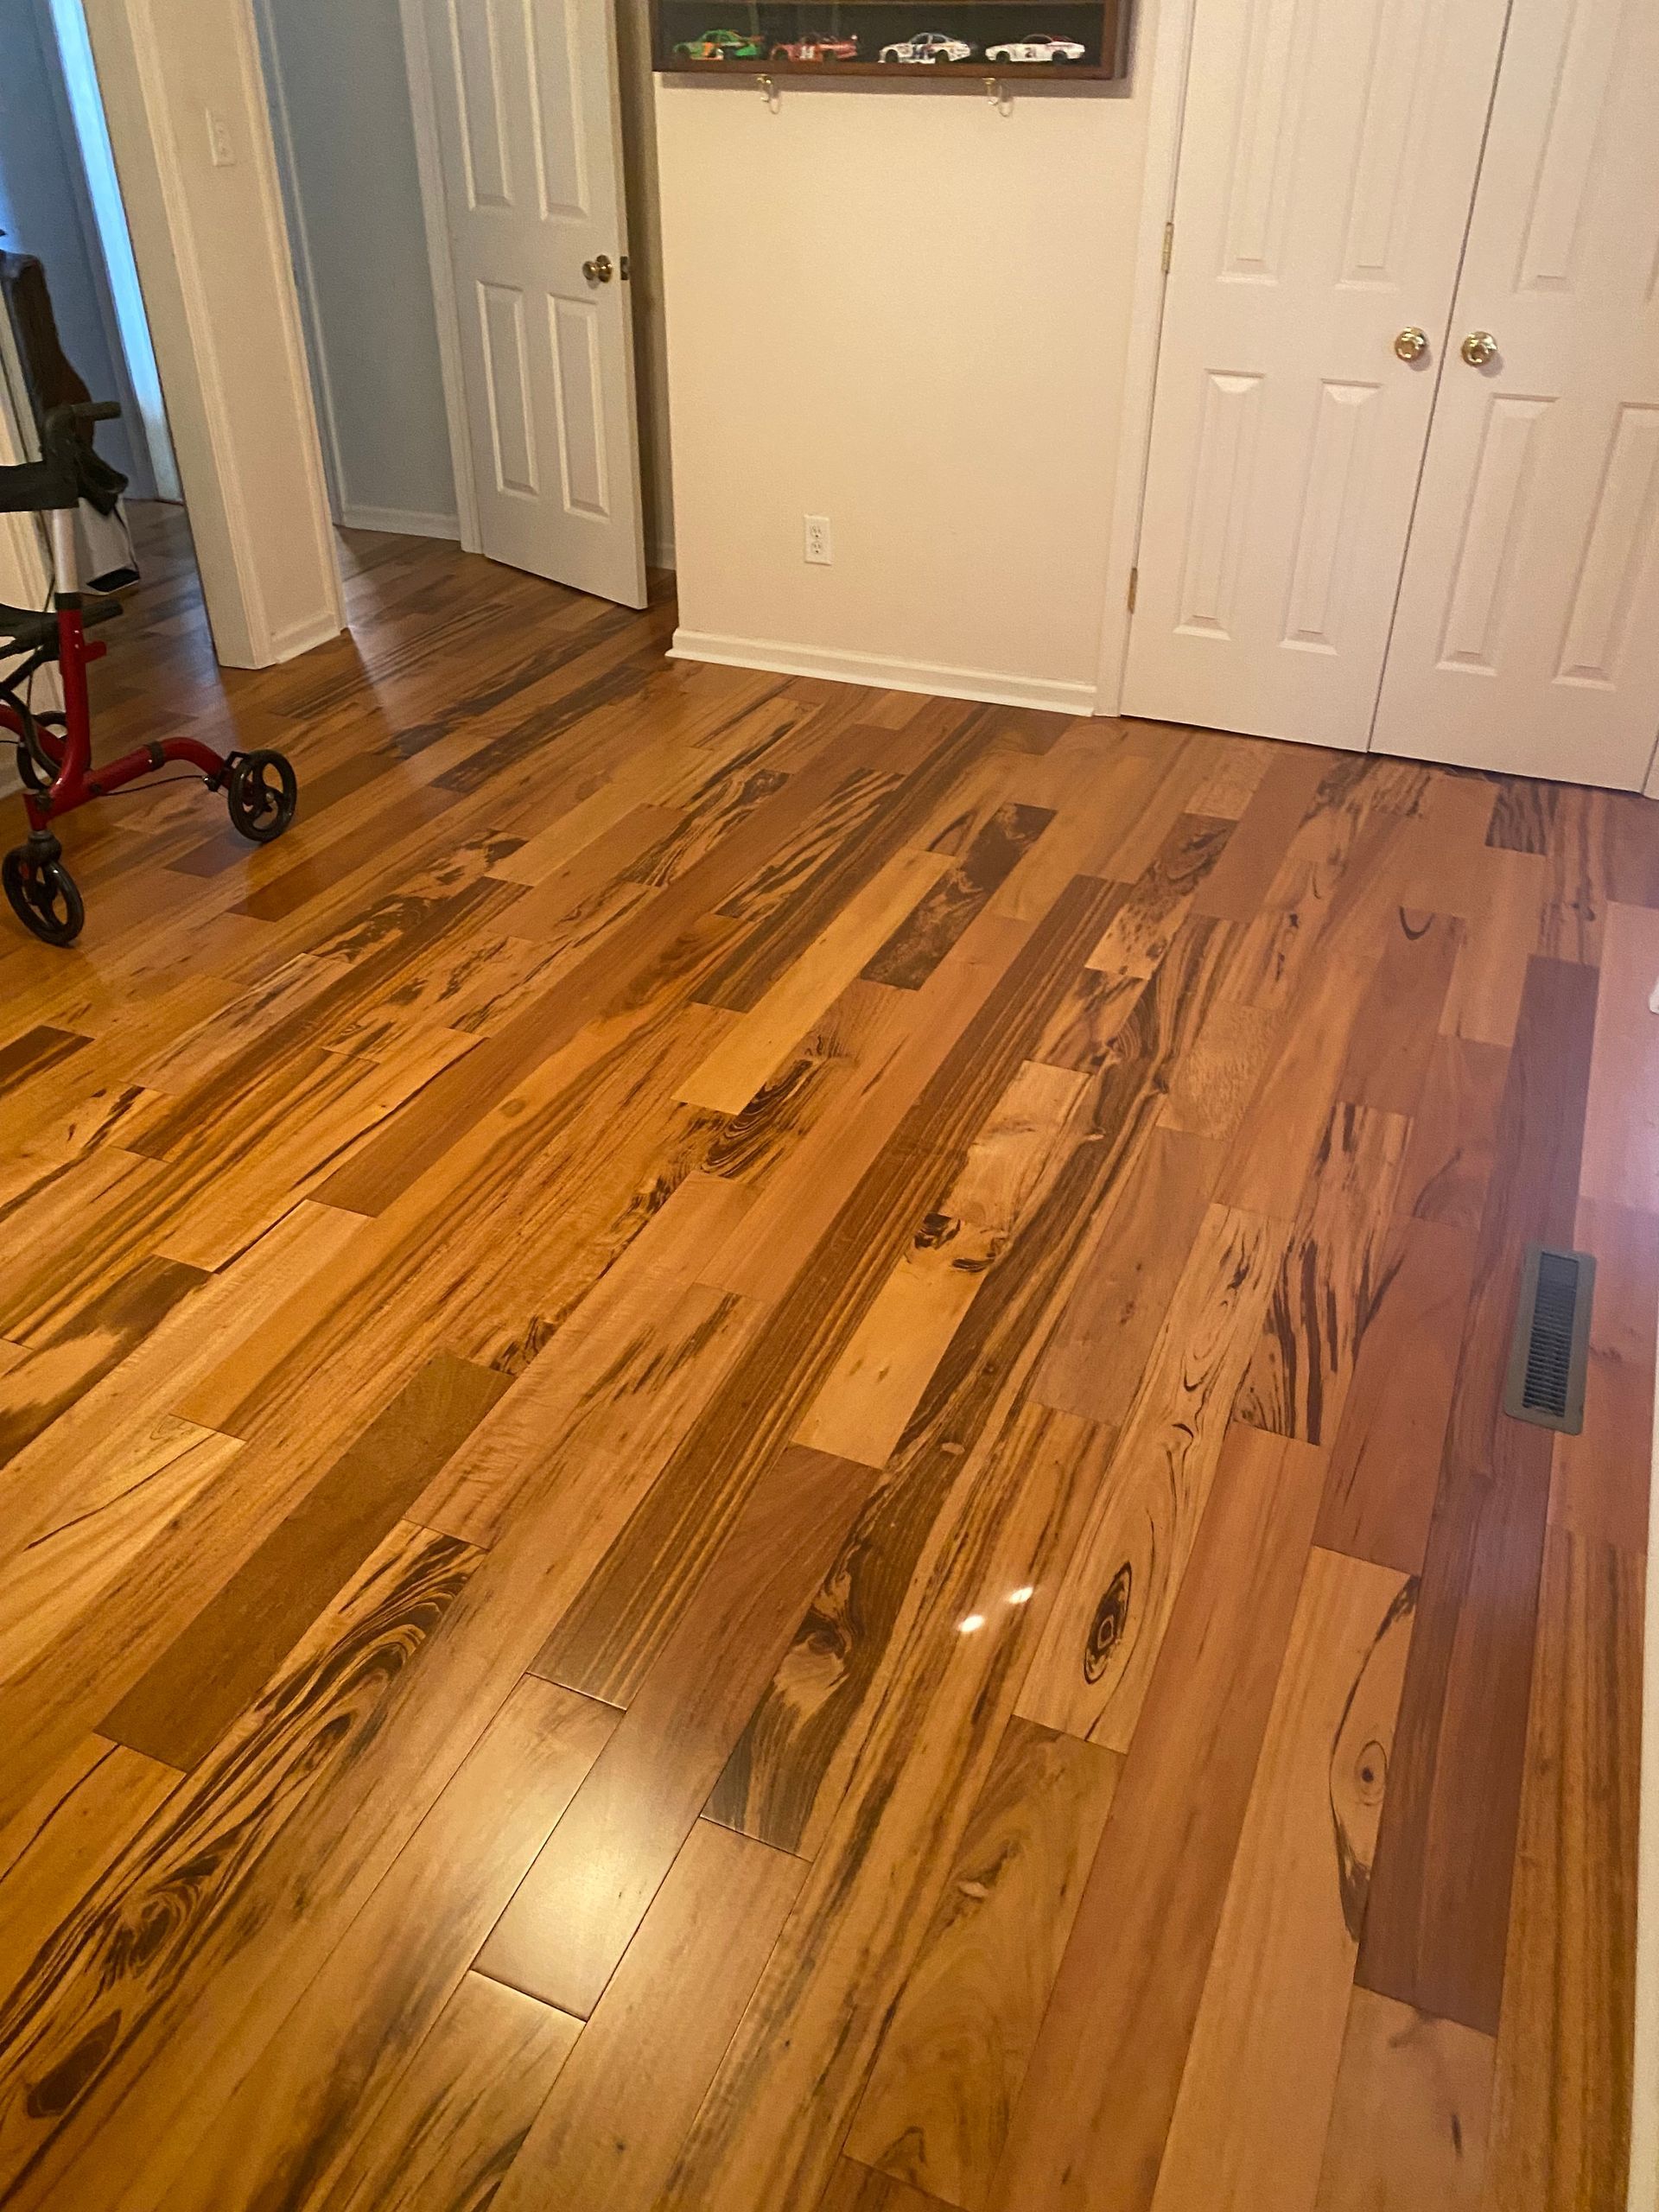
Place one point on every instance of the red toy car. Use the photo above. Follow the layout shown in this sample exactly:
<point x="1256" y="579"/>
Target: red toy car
<point x="819" y="46"/>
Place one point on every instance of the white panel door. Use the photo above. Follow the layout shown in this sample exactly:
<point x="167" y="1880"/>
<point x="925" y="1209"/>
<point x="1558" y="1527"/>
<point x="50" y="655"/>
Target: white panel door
<point x="1528" y="633"/>
<point x="1328" y="158"/>
<point x="530" y="129"/>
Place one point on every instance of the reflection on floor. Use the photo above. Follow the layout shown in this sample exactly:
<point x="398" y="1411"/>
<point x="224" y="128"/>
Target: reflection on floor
<point x="754" y="1457"/>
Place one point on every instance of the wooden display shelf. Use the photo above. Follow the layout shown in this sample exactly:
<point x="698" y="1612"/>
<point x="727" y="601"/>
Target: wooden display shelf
<point x="917" y="76"/>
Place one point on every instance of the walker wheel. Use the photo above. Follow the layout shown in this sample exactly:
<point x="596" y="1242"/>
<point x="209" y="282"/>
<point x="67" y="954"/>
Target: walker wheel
<point x="43" y="896"/>
<point x="264" y="792"/>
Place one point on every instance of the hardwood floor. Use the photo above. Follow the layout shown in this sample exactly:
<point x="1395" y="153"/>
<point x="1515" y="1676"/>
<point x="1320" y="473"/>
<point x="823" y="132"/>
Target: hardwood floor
<point x="752" y="1456"/>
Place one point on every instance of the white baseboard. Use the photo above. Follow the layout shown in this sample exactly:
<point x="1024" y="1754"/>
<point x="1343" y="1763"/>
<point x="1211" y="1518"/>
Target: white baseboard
<point x="986" y="684"/>
<point x="403" y="520"/>
<point x="300" y="637"/>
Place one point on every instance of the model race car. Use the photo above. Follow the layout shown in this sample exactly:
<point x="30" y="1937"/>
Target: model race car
<point x="1041" y="48"/>
<point x="928" y="46"/>
<point x="819" y="46"/>
<point x="721" y="46"/>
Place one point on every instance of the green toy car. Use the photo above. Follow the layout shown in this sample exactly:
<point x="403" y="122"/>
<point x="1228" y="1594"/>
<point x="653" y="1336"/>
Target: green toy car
<point x="721" y="46"/>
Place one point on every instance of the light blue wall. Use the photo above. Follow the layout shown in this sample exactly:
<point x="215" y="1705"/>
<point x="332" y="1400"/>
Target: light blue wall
<point x="341" y="93"/>
<point x="42" y="199"/>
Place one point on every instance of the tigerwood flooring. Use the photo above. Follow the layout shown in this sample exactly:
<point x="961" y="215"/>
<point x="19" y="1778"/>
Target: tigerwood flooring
<point x="753" y="1455"/>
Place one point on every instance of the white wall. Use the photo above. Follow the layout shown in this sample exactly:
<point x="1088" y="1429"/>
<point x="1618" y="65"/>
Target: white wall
<point x="213" y="256"/>
<point x="908" y="312"/>
<point x="340" y="95"/>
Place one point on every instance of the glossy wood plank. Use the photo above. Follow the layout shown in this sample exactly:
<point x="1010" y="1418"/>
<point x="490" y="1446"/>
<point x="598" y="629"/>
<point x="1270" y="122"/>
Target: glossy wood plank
<point x="1454" y="1127"/>
<point x="64" y="2038"/>
<point x="356" y="2072"/>
<point x="1412" y="2106"/>
<point x="1330" y="1281"/>
<point x="71" y="1842"/>
<point x="744" y="1058"/>
<point x="1385" y="1459"/>
<point x="68" y="1361"/>
<point x="916" y="947"/>
<point x="665" y="2020"/>
<point x="1090" y="2124"/>
<point x="855" y="2188"/>
<point x="771" y="2124"/>
<point x="196" y="1688"/>
<point x="1392" y="1045"/>
<point x="1250" y="2123"/>
<point x="575" y="1912"/>
<point x="869" y="1397"/>
<point x="1434" y="1933"/>
<point x="936" y="2109"/>
<point x="1621" y="1135"/>
<point x="461" y="2110"/>
<point x="1100" y="1651"/>
<point x="1560" y="2113"/>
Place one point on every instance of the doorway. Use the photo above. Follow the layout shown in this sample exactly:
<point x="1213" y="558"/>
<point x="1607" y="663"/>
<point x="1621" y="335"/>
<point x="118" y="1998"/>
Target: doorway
<point x="73" y="313"/>
<point x="1403" y="488"/>
<point x="457" y="178"/>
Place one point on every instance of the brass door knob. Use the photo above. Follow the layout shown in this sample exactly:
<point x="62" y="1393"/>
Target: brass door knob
<point x="1411" y="345"/>
<point x="1478" y="348"/>
<point x="598" y="270"/>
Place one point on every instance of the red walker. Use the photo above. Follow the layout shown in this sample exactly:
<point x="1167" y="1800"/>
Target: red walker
<point x="54" y="752"/>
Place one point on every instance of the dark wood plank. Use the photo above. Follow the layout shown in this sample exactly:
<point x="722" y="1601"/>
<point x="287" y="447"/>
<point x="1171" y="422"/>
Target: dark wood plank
<point x="1435" y="1932"/>
<point x="197" y="1687"/>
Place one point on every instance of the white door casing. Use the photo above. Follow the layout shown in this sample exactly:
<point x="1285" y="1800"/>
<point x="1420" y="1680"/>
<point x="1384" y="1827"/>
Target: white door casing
<point x="529" y="129"/>
<point x="1328" y="157"/>
<point x="1528" y="631"/>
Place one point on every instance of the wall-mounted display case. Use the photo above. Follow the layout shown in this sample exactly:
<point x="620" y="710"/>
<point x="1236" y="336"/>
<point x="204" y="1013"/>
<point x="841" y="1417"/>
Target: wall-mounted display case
<point x="921" y="41"/>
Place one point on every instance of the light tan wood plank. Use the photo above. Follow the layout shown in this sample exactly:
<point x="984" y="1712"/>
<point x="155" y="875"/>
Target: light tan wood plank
<point x="1409" y="2121"/>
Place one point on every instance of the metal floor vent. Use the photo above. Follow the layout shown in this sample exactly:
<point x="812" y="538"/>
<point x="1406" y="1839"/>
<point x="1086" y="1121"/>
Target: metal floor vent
<point x="1552" y="1339"/>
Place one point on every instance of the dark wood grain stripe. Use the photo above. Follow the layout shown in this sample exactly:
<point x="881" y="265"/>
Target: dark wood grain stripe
<point x="105" y="1979"/>
<point x="179" y="1709"/>
<point x="927" y="933"/>
<point x="1524" y="817"/>
<point x="79" y="1354"/>
<point x="36" y="1049"/>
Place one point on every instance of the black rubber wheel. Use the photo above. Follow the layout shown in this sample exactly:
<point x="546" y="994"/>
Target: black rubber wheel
<point x="43" y="896"/>
<point x="263" y="794"/>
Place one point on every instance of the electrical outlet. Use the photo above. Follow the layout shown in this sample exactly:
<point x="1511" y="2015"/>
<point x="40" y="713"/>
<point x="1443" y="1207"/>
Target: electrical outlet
<point x="218" y="141"/>
<point x="818" y="539"/>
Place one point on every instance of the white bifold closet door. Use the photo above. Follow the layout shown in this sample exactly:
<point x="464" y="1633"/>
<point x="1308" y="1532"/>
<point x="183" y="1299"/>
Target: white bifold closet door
<point x="1328" y="156"/>
<point x="1528" y="631"/>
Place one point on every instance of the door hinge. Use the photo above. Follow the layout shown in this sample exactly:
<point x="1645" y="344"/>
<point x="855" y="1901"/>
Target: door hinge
<point x="1135" y="582"/>
<point x="1169" y="244"/>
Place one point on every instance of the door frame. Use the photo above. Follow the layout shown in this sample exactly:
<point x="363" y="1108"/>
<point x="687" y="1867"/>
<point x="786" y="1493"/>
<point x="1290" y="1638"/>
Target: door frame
<point x="1169" y="53"/>
<point x="429" y="161"/>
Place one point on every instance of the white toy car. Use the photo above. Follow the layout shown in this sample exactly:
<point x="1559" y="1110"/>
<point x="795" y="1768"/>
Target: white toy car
<point x="928" y="46"/>
<point x="1037" y="49"/>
